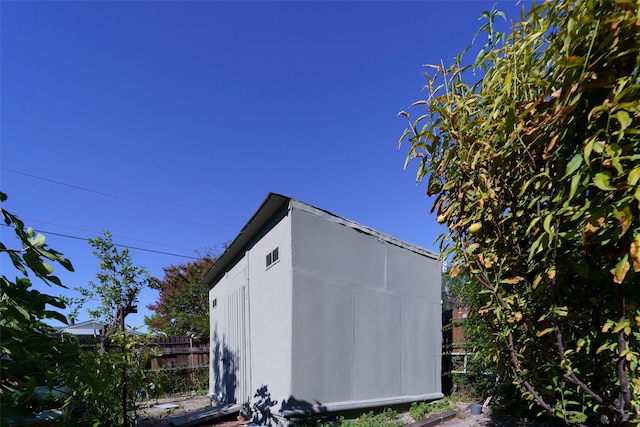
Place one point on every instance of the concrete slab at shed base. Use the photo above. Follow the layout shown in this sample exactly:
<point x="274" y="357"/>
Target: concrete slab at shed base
<point x="206" y="415"/>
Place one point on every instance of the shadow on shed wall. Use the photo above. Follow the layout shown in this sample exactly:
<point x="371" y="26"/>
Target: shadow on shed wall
<point x="224" y="365"/>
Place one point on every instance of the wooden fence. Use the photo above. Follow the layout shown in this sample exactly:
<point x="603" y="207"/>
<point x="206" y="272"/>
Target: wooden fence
<point x="181" y="351"/>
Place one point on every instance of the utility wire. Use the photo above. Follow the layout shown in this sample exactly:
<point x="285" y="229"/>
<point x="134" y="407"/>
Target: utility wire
<point x="120" y="205"/>
<point x="137" y="160"/>
<point x="98" y="232"/>
<point x="107" y="194"/>
<point x="163" y="201"/>
<point x="115" y="244"/>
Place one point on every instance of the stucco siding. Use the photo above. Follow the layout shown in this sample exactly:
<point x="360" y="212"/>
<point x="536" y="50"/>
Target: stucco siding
<point x="411" y="274"/>
<point x="421" y="353"/>
<point x="363" y="326"/>
<point x="376" y="364"/>
<point x="336" y="252"/>
<point x="255" y="344"/>
<point x="270" y="312"/>
<point x="323" y="337"/>
<point x="346" y="318"/>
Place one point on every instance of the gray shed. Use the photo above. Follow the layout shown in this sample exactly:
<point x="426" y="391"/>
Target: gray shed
<point x="312" y="312"/>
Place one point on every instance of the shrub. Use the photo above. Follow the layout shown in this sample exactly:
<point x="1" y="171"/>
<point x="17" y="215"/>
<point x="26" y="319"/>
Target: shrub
<point x="531" y="154"/>
<point x="180" y="380"/>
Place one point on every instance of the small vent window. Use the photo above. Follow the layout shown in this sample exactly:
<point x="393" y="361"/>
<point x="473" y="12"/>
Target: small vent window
<point x="214" y="303"/>
<point x="272" y="257"/>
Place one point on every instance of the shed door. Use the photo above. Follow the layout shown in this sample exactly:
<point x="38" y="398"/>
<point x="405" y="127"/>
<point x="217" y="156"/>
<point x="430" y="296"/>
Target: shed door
<point x="237" y="364"/>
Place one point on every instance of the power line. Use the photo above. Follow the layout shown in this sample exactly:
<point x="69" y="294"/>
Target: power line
<point x="114" y="235"/>
<point x="137" y="160"/>
<point x="122" y="206"/>
<point x="115" y="244"/>
<point x="165" y="202"/>
<point x="77" y="187"/>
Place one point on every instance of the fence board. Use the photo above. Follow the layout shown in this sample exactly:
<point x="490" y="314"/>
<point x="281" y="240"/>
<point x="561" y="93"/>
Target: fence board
<point x="181" y="351"/>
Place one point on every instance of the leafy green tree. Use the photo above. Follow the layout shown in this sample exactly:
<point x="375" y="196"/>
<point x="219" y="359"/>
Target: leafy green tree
<point x="119" y="284"/>
<point x="183" y="304"/>
<point x="32" y="352"/>
<point x="106" y="384"/>
<point x="119" y="364"/>
<point x="532" y="152"/>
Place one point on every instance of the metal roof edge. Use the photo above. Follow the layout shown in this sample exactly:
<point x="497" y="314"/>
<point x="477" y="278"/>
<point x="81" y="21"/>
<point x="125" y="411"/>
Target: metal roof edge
<point x="271" y="205"/>
<point x="363" y="228"/>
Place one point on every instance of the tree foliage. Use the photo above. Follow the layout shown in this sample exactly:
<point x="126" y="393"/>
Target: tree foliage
<point x="119" y="283"/>
<point x="183" y="304"/>
<point x="101" y="378"/>
<point x="31" y="351"/>
<point x="532" y="152"/>
<point x="113" y="374"/>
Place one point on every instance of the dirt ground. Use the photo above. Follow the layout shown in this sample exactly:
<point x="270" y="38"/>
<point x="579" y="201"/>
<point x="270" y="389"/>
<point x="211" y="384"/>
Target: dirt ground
<point x="489" y="418"/>
<point x="159" y="412"/>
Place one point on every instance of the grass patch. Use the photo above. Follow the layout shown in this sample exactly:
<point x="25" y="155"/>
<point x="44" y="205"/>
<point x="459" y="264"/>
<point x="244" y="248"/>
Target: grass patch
<point x="386" y="418"/>
<point x="420" y="410"/>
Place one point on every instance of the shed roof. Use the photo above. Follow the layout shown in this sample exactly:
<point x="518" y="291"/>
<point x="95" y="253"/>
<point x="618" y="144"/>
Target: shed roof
<point x="273" y="204"/>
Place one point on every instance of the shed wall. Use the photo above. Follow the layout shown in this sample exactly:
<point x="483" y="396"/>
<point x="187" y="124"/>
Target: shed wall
<point x="270" y="314"/>
<point x="251" y="323"/>
<point x="366" y="315"/>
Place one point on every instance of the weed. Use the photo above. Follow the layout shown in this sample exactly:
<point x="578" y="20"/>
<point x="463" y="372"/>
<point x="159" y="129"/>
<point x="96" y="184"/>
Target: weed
<point x="419" y="410"/>
<point x="387" y="418"/>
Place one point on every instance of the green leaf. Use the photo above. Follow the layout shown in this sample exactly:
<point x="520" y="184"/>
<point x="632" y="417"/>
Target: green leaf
<point x="601" y="180"/>
<point x="588" y="148"/>
<point x="38" y="240"/>
<point x="561" y="311"/>
<point x="573" y="165"/>
<point x="575" y="181"/>
<point x="624" y="119"/>
<point x="634" y="176"/>
<point x="546" y="224"/>
<point x="472" y="247"/>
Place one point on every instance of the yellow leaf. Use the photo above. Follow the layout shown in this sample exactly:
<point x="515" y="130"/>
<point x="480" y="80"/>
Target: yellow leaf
<point x="621" y="270"/>
<point x="512" y="280"/>
<point x="544" y="332"/>
<point x="536" y="282"/>
<point x="475" y="228"/>
<point x="454" y="270"/>
<point x="593" y="224"/>
<point x="507" y="82"/>
<point x="624" y="218"/>
<point x="634" y="251"/>
<point x="607" y="326"/>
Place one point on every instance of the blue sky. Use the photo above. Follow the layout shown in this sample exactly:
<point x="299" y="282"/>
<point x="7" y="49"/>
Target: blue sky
<point x="168" y="123"/>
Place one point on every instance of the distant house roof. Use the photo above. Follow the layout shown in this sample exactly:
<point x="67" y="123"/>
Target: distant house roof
<point x="88" y="328"/>
<point x="273" y="204"/>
